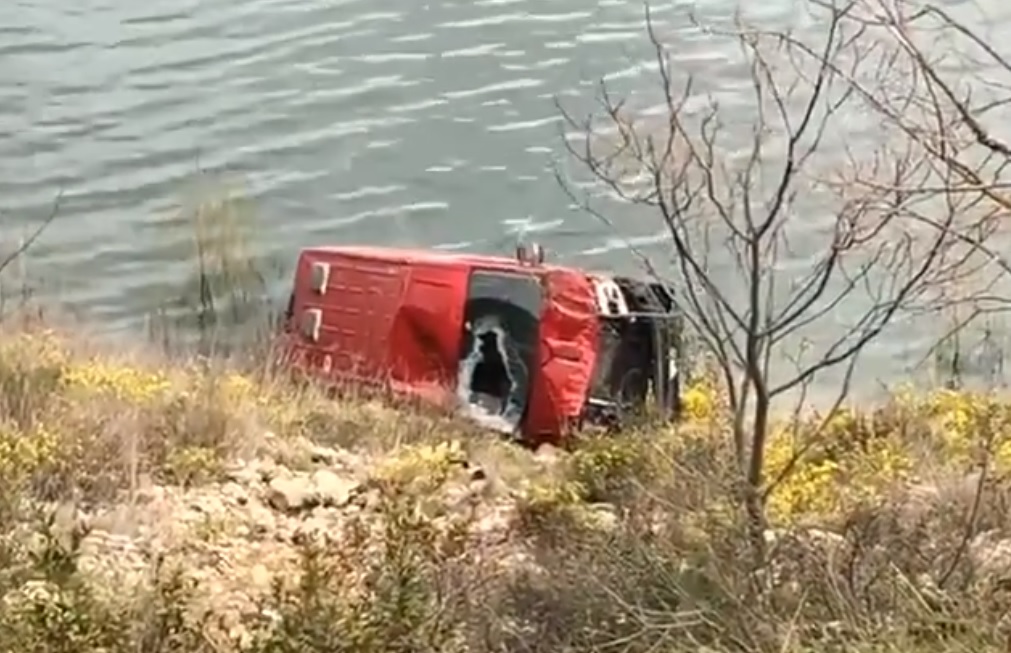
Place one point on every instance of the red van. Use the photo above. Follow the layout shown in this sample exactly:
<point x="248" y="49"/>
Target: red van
<point x="519" y="345"/>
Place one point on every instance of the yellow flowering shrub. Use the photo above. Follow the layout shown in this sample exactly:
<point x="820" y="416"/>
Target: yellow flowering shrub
<point x="809" y="487"/>
<point x="50" y="460"/>
<point x="699" y="401"/>
<point x="963" y="427"/>
<point x="238" y="388"/>
<point x="421" y="467"/>
<point x="24" y="456"/>
<point x="546" y="504"/>
<point x="128" y="383"/>
<point x="859" y="454"/>
<point x="193" y="464"/>
<point x="603" y="467"/>
<point x="954" y="415"/>
<point x="971" y="424"/>
<point x="842" y="466"/>
<point x="88" y="420"/>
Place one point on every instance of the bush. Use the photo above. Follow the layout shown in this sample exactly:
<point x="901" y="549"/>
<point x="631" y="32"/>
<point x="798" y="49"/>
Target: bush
<point x="885" y="535"/>
<point x="401" y="593"/>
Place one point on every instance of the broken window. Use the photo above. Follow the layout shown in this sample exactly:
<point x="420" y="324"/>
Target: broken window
<point x="501" y="319"/>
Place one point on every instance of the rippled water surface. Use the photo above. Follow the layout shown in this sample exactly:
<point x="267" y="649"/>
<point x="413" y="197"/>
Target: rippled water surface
<point x="382" y="121"/>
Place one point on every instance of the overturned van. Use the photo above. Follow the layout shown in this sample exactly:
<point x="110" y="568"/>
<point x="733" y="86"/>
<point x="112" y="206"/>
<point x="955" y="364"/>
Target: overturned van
<point x="521" y="346"/>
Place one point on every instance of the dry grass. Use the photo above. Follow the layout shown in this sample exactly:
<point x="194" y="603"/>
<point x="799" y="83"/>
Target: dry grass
<point x="76" y="416"/>
<point x="634" y="542"/>
<point x="889" y="529"/>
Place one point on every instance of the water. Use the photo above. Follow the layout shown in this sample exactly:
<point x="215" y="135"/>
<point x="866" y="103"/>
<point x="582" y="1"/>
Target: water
<point x="372" y="121"/>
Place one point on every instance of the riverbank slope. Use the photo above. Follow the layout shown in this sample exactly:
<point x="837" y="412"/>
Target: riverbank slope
<point x="171" y="505"/>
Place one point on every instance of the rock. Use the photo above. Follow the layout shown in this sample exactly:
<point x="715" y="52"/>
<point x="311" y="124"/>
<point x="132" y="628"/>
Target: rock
<point x="242" y="474"/>
<point x="314" y="529"/>
<point x="493" y="524"/>
<point x="327" y="455"/>
<point x="260" y="577"/>
<point x="323" y="455"/>
<point x="262" y="521"/>
<point x="333" y="490"/>
<point x="603" y="516"/>
<point x="236" y="493"/>
<point x="367" y="498"/>
<point x="122" y="519"/>
<point x="291" y="494"/>
<point x="466" y="495"/>
<point x="250" y="473"/>
<point x="990" y="554"/>
<point x="547" y="454"/>
<point x="340" y="459"/>
<point x="946" y="493"/>
<point x="150" y="494"/>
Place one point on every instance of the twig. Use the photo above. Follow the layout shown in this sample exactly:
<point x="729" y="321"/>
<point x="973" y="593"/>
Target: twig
<point x="28" y="242"/>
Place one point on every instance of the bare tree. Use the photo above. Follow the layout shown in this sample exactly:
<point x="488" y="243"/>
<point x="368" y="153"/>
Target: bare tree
<point x="745" y="200"/>
<point x="964" y="87"/>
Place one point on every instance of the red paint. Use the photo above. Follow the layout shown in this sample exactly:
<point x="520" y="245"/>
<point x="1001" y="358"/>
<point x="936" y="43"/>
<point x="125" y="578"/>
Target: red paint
<point x="394" y="318"/>
<point x="568" y="353"/>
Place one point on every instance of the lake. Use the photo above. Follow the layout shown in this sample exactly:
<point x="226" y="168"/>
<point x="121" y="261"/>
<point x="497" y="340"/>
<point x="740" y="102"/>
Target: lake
<point x="347" y="121"/>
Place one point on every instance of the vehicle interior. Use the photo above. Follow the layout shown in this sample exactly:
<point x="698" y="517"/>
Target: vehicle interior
<point x="637" y="356"/>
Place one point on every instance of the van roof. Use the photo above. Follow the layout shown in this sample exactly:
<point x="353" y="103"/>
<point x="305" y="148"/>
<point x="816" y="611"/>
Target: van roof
<point x="430" y="256"/>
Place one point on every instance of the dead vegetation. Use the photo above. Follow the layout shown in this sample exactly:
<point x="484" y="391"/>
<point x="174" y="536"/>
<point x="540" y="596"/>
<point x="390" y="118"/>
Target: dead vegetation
<point x="894" y="230"/>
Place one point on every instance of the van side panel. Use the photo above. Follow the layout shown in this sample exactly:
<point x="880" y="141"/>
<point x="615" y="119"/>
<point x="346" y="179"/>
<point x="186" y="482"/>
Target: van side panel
<point x="568" y="352"/>
<point x="428" y="327"/>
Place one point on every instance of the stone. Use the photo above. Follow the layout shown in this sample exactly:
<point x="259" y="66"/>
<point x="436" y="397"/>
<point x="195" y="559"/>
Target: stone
<point x="548" y="456"/>
<point x="312" y="528"/>
<point x="325" y="455"/>
<point x="261" y="519"/>
<point x="243" y="474"/>
<point x="260" y="577"/>
<point x="990" y="554"/>
<point x="333" y="490"/>
<point x="291" y="494"/>
<point x="494" y="522"/>
<point x="603" y="516"/>
<point x="236" y="492"/>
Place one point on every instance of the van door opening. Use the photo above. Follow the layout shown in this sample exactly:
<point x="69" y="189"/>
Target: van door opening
<point x="501" y="325"/>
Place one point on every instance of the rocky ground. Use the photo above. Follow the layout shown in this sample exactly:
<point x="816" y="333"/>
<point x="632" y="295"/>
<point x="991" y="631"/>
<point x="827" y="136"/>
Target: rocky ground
<point x="140" y="502"/>
<point x="236" y="538"/>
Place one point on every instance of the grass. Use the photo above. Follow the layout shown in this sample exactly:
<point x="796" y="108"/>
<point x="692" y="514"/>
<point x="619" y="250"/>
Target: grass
<point x="167" y="503"/>
<point x="627" y="543"/>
